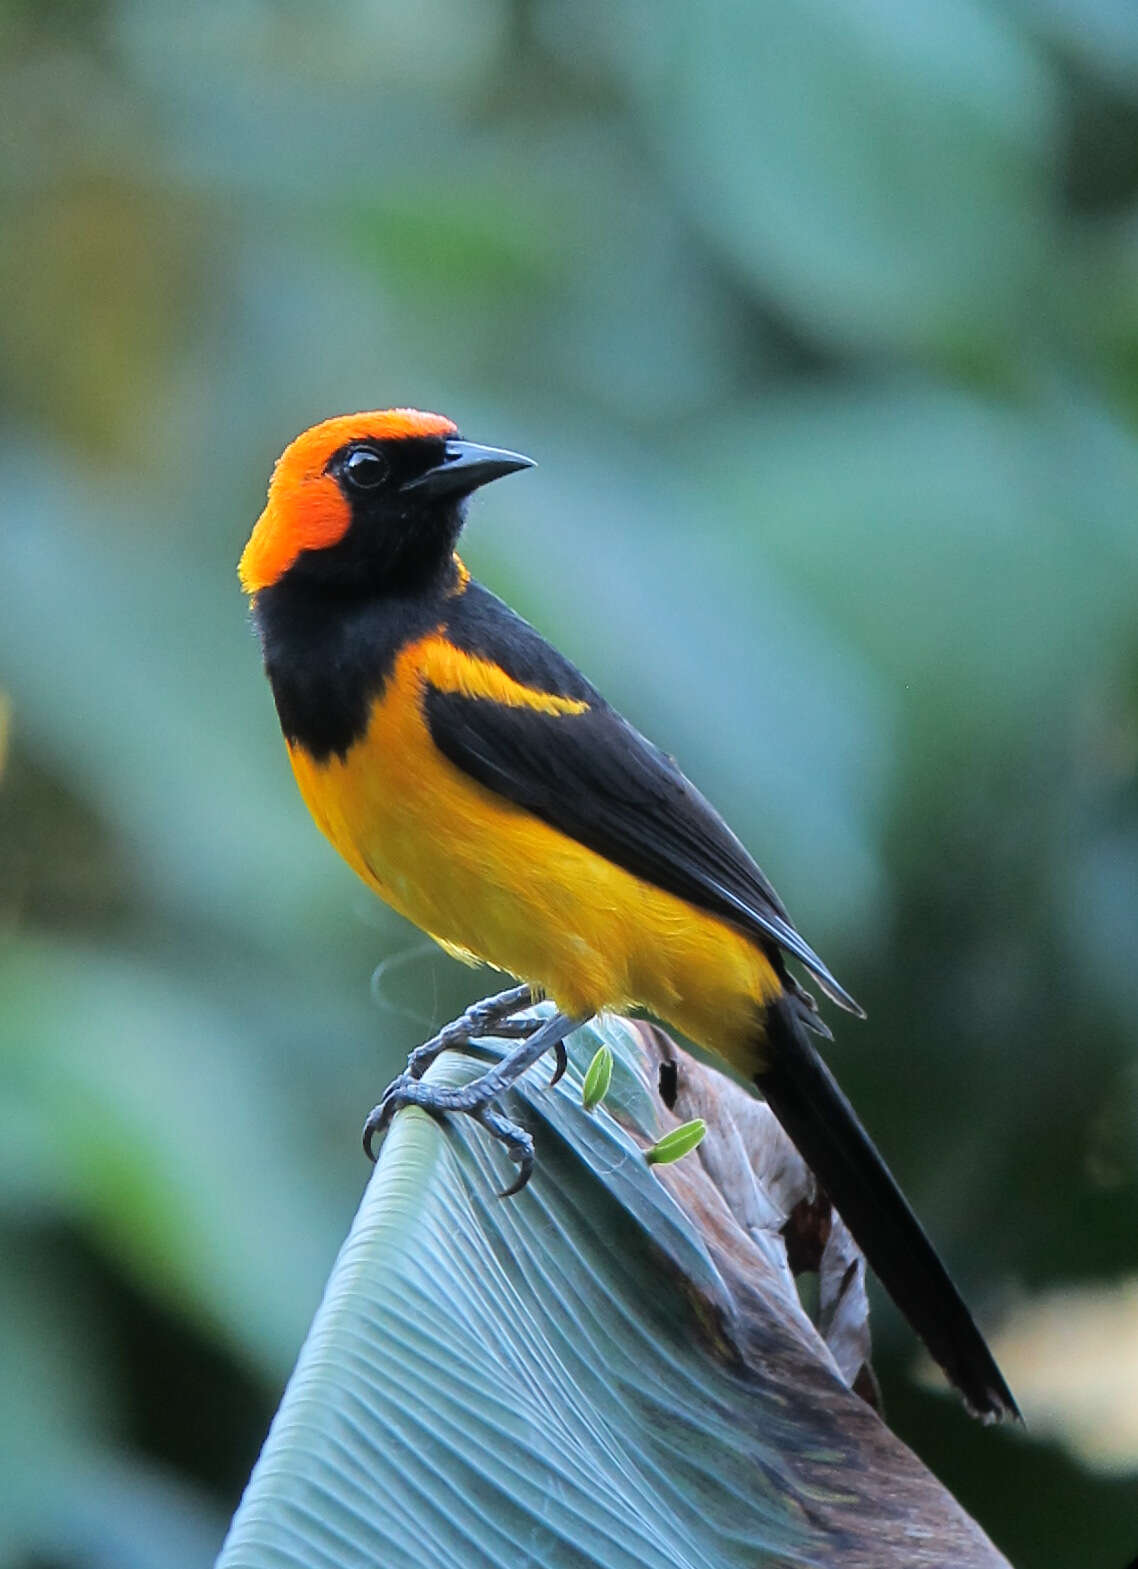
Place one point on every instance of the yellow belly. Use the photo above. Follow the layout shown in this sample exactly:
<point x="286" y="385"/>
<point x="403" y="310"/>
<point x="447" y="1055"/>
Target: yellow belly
<point x="491" y="882"/>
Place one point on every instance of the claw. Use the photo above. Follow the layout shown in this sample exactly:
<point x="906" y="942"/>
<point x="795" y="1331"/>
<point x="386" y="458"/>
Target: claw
<point x="379" y="1116"/>
<point x="519" y="1146"/>
<point x="478" y="1099"/>
<point x="372" y="1128"/>
<point x="561" y="1062"/>
<point x="519" y="1181"/>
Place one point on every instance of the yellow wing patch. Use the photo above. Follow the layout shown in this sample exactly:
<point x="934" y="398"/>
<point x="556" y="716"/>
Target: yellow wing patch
<point x="450" y="669"/>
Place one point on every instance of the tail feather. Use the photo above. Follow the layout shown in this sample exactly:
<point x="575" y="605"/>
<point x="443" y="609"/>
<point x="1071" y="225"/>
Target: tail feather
<point x="802" y="1093"/>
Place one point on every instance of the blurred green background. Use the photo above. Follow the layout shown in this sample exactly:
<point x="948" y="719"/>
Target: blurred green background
<point x="821" y="317"/>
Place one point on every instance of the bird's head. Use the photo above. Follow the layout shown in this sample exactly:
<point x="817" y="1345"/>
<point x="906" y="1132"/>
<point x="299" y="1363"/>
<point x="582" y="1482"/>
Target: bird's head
<point x="369" y="501"/>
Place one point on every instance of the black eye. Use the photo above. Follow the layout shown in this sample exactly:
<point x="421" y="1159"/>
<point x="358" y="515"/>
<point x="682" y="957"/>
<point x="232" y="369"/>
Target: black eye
<point x="364" y="468"/>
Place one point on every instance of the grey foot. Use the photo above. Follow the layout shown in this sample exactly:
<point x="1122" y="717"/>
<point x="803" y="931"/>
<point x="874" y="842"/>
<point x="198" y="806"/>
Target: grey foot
<point x="478" y="1098"/>
<point x="490" y="1016"/>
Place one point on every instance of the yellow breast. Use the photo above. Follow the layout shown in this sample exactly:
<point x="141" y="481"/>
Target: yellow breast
<point x="490" y="881"/>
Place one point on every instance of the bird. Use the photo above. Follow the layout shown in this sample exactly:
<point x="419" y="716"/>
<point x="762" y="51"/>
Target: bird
<point x="482" y="786"/>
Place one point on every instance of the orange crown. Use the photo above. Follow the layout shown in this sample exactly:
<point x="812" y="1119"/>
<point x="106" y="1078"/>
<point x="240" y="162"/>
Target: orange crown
<point x="306" y="509"/>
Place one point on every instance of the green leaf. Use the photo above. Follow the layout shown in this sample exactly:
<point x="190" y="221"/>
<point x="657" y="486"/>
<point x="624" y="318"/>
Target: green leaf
<point x="678" y="1143"/>
<point x="567" y="1378"/>
<point x="597" y="1079"/>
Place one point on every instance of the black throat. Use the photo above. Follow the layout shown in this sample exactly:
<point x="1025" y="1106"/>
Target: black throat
<point x="329" y="654"/>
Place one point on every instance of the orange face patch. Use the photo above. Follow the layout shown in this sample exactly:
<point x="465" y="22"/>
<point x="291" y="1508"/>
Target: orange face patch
<point x="306" y="509"/>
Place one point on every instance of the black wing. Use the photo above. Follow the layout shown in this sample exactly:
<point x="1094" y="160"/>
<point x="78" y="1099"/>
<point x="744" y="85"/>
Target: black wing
<point x="596" y="779"/>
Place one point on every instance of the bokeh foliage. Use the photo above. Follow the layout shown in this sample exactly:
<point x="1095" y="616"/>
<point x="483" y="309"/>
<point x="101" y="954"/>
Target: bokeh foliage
<point x="822" y="320"/>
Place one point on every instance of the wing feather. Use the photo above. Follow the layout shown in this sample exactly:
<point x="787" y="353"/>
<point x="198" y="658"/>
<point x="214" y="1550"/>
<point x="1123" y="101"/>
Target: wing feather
<point x="588" y="773"/>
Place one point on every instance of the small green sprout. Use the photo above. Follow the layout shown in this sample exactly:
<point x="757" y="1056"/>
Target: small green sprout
<point x="675" y="1145"/>
<point x="597" y="1079"/>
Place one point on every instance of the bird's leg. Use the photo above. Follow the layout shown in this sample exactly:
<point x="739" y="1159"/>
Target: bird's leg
<point x="477" y="1099"/>
<point x="492" y="1014"/>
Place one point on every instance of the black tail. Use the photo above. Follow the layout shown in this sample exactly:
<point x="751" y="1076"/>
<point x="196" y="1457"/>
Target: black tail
<point x="802" y="1093"/>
